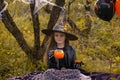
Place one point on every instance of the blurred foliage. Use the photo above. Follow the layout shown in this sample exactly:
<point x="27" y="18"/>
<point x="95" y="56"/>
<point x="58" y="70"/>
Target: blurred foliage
<point x="100" y="51"/>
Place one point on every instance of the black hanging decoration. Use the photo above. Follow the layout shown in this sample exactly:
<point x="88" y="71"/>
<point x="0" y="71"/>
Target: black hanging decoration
<point x="104" y="9"/>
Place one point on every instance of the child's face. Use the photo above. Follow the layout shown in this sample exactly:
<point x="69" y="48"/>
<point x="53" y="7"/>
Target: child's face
<point x="59" y="37"/>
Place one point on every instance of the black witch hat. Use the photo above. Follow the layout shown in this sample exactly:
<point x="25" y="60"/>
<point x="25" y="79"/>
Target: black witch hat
<point x="63" y="28"/>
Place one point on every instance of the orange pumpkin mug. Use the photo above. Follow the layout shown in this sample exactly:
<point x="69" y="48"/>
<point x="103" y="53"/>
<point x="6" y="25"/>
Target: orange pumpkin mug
<point x="77" y="61"/>
<point x="59" y="54"/>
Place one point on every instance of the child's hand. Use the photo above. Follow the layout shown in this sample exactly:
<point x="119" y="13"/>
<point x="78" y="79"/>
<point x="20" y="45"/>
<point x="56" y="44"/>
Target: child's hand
<point x="51" y="54"/>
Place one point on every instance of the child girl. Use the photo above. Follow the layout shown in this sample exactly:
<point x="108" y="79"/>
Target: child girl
<point x="60" y="37"/>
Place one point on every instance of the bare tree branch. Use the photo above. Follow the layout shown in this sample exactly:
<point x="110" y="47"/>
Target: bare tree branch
<point x="74" y="26"/>
<point x="88" y="22"/>
<point x="12" y="28"/>
<point x="55" y="14"/>
<point x="36" y="24"/>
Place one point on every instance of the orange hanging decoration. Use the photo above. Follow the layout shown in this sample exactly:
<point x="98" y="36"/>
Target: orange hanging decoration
<point x="117" y="7"/>
<point x="58" y="54"/>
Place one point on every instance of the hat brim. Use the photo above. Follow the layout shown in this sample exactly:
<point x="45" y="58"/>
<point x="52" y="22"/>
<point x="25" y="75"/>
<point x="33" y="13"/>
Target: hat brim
<point x="70" y="36"/>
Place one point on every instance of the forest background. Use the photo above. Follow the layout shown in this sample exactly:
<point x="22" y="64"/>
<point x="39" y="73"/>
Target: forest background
<point x="98" y="48"/>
